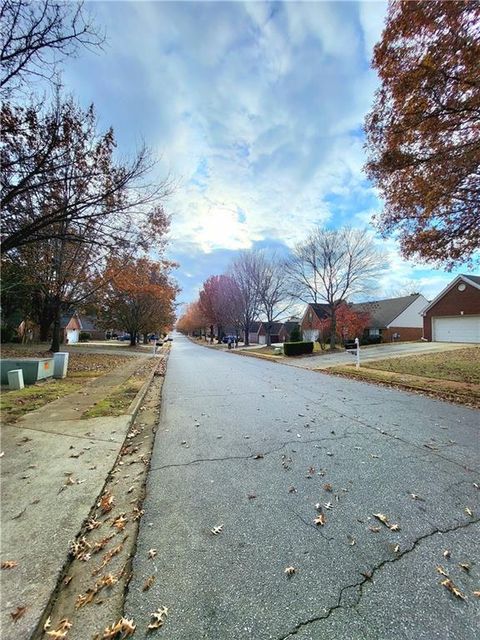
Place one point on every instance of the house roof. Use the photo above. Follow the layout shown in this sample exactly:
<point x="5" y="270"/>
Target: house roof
<point x="321" y="310"/>
<point x="255" y="326"/>
<point x="383" y="312"/>
<point x="88" y="323"/>
<point x="275" y="327"/>
<point x="473" y="280"/>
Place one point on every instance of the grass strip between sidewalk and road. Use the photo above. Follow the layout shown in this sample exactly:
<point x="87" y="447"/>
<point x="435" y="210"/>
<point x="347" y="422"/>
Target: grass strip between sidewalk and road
<point x="449" y="375"/>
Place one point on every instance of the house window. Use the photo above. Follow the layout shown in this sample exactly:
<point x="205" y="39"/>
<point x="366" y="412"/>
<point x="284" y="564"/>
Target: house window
<point x="373" y="331"/>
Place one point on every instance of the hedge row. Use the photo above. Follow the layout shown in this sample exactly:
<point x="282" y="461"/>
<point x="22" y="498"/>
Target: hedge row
<point x="297" y="348"/>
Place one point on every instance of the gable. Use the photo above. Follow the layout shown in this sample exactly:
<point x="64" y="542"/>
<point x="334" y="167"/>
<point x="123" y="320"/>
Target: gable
<point x="451" y="297"/>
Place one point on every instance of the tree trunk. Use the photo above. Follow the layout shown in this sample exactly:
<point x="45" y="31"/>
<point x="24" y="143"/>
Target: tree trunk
<point x="269" y="337"/>
<point x="56" y="329"/>
<point x="333" y="325"/>
<point x="133" y="338"/>
<point x="247" y="333"/>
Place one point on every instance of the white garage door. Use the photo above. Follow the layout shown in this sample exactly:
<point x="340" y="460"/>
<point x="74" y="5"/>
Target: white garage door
<point x="457" y="329"/>
<point x="72" y="336"/>
<point x="262" y="339"/>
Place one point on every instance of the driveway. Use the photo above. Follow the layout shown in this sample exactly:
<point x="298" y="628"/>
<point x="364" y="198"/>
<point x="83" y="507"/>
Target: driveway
<point x="252" y="448"/>
<point x="373" y="352"/>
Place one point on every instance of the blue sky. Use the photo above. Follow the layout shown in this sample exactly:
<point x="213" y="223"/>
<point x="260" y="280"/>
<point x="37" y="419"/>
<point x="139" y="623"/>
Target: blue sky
<point x="256" y="110"/>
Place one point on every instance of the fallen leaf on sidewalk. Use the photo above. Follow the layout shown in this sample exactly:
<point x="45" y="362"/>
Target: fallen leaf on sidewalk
<point x="106" y="502"/>
<point x="152" y="553"/>
<point x="124" y="627"/>
<point x="18" y="613"/>
<point x="148" y="583"/>
<point x="120" y="522"/>
<point x="92" y="523"/>
<point x="9" y="564"/>
<point x="448" y="584"/>
<point x="158" y="618"/>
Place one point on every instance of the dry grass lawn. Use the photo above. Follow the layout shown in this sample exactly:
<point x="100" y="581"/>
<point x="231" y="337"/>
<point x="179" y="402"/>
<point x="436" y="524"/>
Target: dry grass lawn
<point x="450" y="375"/>
<point x="82" y="367"/>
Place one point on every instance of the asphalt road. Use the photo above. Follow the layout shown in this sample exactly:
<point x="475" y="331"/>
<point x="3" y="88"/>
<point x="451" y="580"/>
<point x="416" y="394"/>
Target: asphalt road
<point x="373" y="446"/>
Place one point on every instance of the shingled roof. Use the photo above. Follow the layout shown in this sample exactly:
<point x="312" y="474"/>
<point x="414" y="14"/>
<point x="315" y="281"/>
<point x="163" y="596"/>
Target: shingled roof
<point x="383" y="312"/>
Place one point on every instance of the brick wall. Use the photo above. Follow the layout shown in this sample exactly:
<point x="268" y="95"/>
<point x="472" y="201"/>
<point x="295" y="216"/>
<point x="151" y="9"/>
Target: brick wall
<point x="406" y="334"/>
<point x="451" y="304"/>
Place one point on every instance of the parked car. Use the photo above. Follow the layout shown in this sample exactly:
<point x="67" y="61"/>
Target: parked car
<point x="225" y="339"/>
<point x="125" y="337"/>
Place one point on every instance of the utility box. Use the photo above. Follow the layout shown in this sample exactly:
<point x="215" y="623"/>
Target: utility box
<point x="33" y="369"/>
<point x="15" y="379"/>
<point x="60" y="364"/>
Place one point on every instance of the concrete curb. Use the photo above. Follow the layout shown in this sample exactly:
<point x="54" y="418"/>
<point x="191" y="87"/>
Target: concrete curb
<point x="137" y="401"/>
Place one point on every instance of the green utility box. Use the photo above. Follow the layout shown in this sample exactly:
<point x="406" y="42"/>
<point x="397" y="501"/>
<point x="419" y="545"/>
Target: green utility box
<point x="33" y="369"/>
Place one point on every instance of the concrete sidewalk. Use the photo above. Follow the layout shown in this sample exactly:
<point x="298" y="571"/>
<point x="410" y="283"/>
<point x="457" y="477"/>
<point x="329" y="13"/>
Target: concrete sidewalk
<point x="54" y="467"/>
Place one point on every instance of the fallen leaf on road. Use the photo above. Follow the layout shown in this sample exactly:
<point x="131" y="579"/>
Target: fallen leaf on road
<point x="448" y="584"/>
<point x="469" y="512"/>
<point x="292" y="489"/>
<point x="446" y="553"/>
<point x="152" y="553"/>
<point x="465" y="566"/>
<point x="148" y="583"/>
<point x="351" y="540"/>
<point x="327" y="486"/>
<point x="477" y="594"/>
<point x="290" y="571"/>
<point x="9" y="564"/>
<point x="67" y="580"/>
<point x="374" y="529"/>
<point x="216" y="530"/>
<point x="442" y="571"/>
<point x="396" y="548"/>
<point x="252" y="495"/>
<point x="382" y="517"/>
<point x="328" y="505"/>
<point x="158" y="618"/>
<point x="46" y="626"/>
<point x="18" y="613"/>
<point x="320" y="520"/>
<point x="415" y="497"/>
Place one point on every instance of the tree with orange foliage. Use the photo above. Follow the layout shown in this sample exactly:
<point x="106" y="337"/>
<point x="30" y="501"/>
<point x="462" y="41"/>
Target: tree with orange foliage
<point x="423" y="133"/>
<point x="192" y="320"/>
<point x="139" y="297"/>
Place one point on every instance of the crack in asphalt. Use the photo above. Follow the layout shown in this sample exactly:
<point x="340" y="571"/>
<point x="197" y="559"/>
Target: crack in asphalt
<point x="361" y="583"/>
<point x="313" y="526"/>
<point x="395" y="437"/>
<point x="251" y="455"/>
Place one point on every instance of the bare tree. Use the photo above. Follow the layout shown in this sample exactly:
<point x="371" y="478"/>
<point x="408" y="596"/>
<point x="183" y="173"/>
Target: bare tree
<point x="37" y="35"/>
<point x="268" y="277"/>
<point x="242" y="271"/>
<point x="57" y="169"/>
<point x="333" y="265"/>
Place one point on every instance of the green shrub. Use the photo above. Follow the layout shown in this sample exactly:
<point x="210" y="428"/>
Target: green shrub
<point x="297" y="348"/>
<point x="295" y="335"/>
<point x="84" y="336"/>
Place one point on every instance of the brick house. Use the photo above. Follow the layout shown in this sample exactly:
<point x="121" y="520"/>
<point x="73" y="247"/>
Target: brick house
<point x="390" y="319"/>
<point x="286" y="329"/>
<point x="274" y="332"/>
<point x="454" y="315"/>
<point x="253" y="332"/>
<point x="395" y="318"/>
<point x="310" y="324"/>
